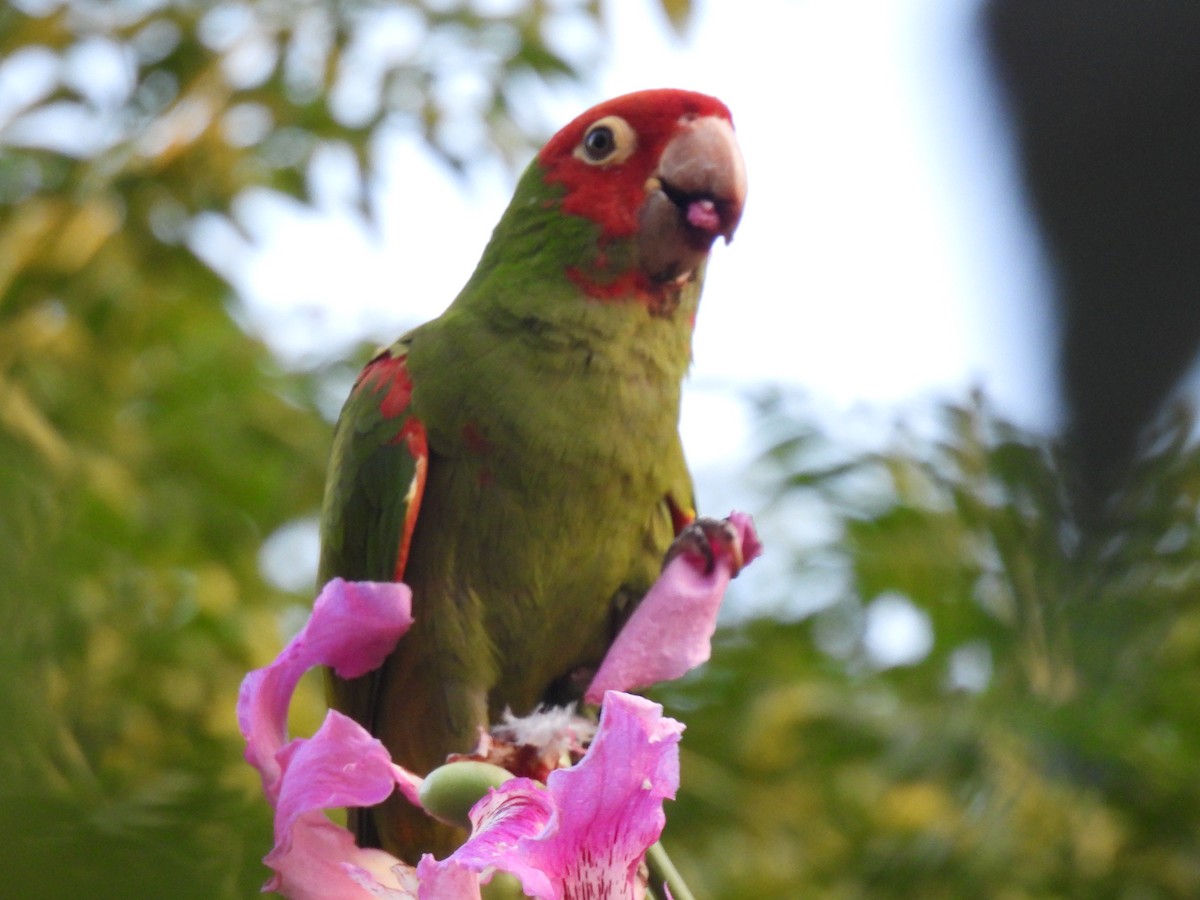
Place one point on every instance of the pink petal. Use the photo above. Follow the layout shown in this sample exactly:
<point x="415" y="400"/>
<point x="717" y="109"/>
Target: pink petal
<point x="340" y="765"/>
<point x="670" y="633"/>
<point x="324" y="863"/>
<point x="611" y="804"/>
<point x="587" y="831"/>
<point x="446" y="881"/>
<point x="506" y="819"/>
<point x="353" y="627"/>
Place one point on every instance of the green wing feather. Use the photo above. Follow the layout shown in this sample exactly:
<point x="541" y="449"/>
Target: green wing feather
<point x="368" y="517"/>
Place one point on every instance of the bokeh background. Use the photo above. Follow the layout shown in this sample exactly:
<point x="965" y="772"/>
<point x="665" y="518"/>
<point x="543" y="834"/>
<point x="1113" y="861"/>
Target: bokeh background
<point x="937" y="365"/>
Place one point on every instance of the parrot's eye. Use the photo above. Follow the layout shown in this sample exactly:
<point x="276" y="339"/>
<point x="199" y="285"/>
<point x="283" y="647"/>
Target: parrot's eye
<point x="599" y="142"/>
<point x="607" y="141"/>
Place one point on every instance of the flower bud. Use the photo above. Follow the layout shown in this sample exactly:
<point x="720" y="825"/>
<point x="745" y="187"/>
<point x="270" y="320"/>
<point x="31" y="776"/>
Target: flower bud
<point x="449" y="791"/>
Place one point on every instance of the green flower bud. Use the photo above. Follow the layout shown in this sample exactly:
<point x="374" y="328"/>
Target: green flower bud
<point x="449" y="791"/>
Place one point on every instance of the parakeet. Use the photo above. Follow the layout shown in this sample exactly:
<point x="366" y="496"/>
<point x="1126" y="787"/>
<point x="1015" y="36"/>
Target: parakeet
<point x="516" y="461"/>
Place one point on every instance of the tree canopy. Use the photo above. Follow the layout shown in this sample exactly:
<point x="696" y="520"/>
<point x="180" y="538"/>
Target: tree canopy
<point x="1040" y="740"/>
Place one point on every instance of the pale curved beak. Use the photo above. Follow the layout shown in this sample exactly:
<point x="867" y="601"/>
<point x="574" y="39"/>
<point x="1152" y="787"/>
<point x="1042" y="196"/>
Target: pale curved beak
<point x="703" y="173"/>
<point x="696" y="194"/>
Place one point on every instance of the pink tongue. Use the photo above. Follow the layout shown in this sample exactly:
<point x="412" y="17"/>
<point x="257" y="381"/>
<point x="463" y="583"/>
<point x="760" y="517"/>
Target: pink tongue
<point x="703" y="214"/>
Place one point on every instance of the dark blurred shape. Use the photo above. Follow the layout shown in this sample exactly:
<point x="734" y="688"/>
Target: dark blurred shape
<point x="1105" y="100"/>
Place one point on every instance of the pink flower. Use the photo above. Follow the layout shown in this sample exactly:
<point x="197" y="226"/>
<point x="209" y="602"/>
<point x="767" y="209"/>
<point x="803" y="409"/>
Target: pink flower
<point x="670" y="632"/>
<point x="587" y="831"/>
<point x="353" y="627"/>
<point x="583" y="834"/>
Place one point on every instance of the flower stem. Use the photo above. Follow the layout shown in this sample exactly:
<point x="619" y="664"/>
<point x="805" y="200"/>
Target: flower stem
<point x="663" y="871"/>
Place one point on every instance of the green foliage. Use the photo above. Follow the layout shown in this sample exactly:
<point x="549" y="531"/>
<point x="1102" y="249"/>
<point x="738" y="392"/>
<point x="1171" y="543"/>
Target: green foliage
<point x="1045" y="745"/>
<point x="149" y="445"/>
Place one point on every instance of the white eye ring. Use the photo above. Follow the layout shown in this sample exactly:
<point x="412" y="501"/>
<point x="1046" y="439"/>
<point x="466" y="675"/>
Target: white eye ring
<point x="606" y="142"/>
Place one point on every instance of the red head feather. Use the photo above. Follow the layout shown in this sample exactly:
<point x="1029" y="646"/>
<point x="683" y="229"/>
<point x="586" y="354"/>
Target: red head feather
<point x="612" y="195"/>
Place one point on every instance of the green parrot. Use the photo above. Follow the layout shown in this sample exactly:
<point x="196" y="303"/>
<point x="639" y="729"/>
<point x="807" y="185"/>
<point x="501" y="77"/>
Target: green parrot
<point x="516" y="461"/>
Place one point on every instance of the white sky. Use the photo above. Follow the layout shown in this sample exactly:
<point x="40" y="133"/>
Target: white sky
<point x="884" y="255"/>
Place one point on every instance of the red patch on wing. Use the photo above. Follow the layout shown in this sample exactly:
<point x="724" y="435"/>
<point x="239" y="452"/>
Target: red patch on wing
<point x="412" y="435"/>
<point x="388" y="374"/>
<point x="611" y="195"/>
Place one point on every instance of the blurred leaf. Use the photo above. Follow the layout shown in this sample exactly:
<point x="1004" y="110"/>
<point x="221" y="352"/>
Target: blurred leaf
<point x="149" y="445"/>
<point x="1045" y="745"/>
<point x="678" y="13"/>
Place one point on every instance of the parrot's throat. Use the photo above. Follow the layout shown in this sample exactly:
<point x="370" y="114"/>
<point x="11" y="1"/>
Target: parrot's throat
<point x="614" y="273"/>
<point x="661" y="299"/>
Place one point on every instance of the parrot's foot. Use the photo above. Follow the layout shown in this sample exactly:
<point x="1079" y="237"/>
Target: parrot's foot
<point x="708" y="539"/>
